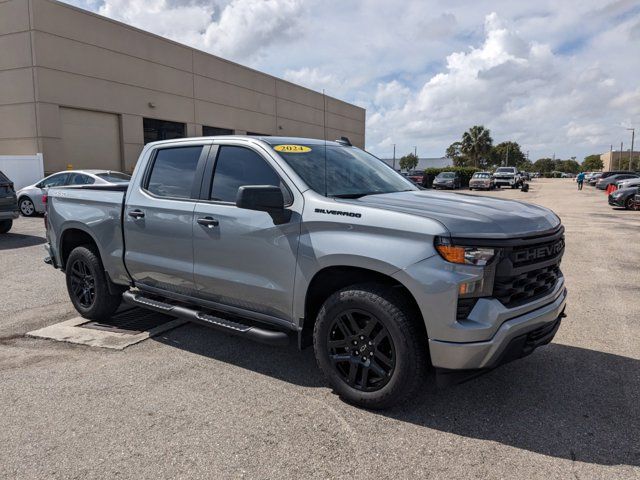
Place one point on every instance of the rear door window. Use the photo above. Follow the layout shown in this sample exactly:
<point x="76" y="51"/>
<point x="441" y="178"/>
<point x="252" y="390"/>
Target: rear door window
<point x="173" y="172"/>
<point x="80" y="179"/>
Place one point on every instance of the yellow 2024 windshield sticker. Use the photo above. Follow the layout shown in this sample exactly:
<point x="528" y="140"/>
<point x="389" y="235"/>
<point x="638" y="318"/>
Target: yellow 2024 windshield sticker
<point x="291" y="148"/>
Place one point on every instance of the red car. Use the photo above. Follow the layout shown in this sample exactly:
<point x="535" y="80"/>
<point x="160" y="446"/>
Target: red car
<point x="416" y="176"/>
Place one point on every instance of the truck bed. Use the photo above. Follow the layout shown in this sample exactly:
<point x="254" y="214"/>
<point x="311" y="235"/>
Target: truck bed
<point x="95" y="210"/>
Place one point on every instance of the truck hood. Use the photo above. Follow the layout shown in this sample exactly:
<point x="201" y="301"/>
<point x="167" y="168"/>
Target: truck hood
<point x="471" y="216"/>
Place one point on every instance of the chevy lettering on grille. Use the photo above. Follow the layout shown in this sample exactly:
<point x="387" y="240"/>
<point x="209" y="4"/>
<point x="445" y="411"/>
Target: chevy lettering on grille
<point x="539" y="253"/>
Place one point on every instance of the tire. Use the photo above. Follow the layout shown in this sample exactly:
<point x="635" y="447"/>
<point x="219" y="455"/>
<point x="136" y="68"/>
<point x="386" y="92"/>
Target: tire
<point x="628" y="204"/>
<point x="385" y="365"/>
<point x="5" y="226"/>
<point x="87" y="285"/>
<point x="27" y="207"/>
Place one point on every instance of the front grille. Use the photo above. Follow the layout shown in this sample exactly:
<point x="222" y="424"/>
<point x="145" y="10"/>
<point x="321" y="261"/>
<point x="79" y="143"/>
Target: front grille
<point x="526" y="287"/>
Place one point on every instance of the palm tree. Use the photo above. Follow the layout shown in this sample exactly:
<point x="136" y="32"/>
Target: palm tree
<point x="476" y="143"/>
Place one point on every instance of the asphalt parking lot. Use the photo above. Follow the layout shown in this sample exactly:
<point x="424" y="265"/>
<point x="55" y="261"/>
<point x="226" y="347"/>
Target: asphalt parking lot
<point x="195" y="403"/>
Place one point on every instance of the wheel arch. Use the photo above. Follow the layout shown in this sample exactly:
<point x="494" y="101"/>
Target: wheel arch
<point x="330" y="279"/>
<point x="73" y="237"/>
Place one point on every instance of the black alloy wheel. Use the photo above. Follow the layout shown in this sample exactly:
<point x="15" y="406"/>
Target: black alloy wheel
<point x="361" y="350"/>
<point x="83" y="283"/>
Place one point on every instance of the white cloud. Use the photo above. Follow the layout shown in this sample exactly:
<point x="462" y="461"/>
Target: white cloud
<point x="555" y="76"/>
<point x="239" y="29"/>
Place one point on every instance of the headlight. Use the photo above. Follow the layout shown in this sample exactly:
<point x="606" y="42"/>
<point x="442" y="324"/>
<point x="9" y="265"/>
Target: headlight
<point x="464" y="255"/>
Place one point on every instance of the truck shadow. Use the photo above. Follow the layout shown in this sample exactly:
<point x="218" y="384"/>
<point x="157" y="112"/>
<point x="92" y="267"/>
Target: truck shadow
<point x="10" y="241"/>
<point x="562" y="401"/>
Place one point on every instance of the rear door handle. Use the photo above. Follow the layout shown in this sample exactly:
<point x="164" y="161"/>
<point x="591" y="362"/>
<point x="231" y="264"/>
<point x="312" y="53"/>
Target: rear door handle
<point x="208" y="222"/>
<point x="136" y="214"/>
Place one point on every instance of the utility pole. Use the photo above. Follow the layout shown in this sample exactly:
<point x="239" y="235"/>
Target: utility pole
<point x="633" y="134"/>
<point x="415" y="151"/>
<point x="394" y="156"/>
<point x="620" y="156"/>
<point x="506" y="163"/>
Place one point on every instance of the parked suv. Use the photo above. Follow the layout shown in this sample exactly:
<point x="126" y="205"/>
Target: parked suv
<point x="273" y="237"/>
<point x="507" y="177"/>
<point x="8" y="204"/>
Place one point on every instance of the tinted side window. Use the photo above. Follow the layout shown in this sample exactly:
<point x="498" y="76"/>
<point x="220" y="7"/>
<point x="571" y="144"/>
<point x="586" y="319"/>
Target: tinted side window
<point x="56" y="180"/>
<point x="80" y="179"/>
<point x="174" y="171"/>
<point x="236" y="167"/>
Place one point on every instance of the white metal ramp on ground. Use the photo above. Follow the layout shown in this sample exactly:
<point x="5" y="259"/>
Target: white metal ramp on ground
<point x="125" y="328"/>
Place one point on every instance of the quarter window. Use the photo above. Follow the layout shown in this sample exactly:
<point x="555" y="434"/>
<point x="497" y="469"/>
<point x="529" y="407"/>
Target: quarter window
<point x="237" y="167"/>
<point x="173" y="172"/>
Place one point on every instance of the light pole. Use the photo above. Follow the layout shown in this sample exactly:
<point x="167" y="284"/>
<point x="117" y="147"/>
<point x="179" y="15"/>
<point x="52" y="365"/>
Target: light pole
<point x="633" y="134"/>
<point x="415" y="151"/>
<point x="394" y="156"/>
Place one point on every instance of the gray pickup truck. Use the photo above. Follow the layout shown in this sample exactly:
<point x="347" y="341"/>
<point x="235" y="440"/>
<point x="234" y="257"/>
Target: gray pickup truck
<point x="271" y="238"/>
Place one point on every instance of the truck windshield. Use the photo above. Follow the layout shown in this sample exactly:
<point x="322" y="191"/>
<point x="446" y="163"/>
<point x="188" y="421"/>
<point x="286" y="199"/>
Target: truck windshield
<point x="344" y="172"/>
<point x="505" y="170"/>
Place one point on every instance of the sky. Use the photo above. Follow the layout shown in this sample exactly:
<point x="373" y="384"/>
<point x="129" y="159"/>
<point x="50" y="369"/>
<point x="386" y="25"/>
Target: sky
<point x="558" y="77"/>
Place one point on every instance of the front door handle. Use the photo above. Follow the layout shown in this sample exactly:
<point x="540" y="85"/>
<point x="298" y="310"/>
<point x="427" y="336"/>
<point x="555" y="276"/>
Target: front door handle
<point x="136" y="214"/>
<point x="208" y="222"/>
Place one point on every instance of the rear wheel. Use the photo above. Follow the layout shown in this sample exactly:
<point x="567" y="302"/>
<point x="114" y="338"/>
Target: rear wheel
<point x="87" y="285"/>
<point x="369" y="345"/>
<point x="5" y="225"/>
<point x="27" y="208"/>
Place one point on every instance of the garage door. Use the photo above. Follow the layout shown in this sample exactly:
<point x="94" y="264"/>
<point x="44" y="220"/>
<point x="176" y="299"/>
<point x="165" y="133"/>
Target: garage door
<point x="90" y="139"/>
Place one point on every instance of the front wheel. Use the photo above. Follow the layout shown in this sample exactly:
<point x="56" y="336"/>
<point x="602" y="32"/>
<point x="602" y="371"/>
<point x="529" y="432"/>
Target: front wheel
<point x="369" y="344"/>
<point x="87" y="285"/>
<point x="628" y="204"/>
<point x="5" y="225"/>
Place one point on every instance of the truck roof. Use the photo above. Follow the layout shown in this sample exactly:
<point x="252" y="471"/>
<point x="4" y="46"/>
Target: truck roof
<point x="265" y="138"/>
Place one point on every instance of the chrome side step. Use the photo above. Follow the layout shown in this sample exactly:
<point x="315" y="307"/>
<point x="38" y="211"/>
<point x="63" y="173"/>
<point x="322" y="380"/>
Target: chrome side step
<point x="233" y="327"/>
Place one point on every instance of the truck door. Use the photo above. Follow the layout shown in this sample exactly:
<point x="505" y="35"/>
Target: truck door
<point x="241" y="257"/>
<point x="158" y="219"/>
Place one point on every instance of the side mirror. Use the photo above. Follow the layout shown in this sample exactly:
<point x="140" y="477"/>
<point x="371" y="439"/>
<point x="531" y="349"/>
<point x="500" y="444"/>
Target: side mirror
<point x="38" y="185"/>
<point x="264" y="198"/>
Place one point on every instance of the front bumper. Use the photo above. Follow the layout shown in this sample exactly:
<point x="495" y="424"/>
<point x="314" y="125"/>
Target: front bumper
<point x="616" y="202"/>
<point x="505" y="181"/>
<point x="491" y="353"/>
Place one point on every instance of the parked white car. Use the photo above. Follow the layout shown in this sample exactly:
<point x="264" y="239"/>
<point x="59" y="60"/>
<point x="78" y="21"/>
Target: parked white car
<point x="30" y="198"/>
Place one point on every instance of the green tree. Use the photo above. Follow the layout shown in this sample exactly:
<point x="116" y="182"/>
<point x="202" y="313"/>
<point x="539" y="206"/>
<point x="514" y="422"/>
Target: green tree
<point x="454" y="152"/>
<point x="543" y="165"/>
<point x="567" y="166"/>
<point x="409" y="162"/>
<point x="592" y="163"/>
<point x="508" y="154"/>
<point x="476" y="144"/>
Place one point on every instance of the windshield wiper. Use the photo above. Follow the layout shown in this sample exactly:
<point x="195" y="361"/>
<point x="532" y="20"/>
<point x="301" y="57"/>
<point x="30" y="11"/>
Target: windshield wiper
<point x="364" y="194"/>
<point x="350" y="195"/>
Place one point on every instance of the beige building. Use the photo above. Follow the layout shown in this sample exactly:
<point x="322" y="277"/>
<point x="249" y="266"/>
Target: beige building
<point x="87" y="91"/>
<point x="613" y="160"/>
